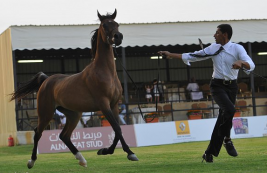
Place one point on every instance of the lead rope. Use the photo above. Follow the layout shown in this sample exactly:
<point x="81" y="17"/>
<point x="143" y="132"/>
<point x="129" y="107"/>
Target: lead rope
<point x="137" y="89"/>
<point x="157" y="89"/>
<point x="253" y="73"/>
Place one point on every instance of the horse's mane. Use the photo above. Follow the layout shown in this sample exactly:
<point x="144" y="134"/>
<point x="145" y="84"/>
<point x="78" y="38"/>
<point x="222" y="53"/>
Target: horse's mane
<point x="94" y="37"/>
<point x="94" y="43"/>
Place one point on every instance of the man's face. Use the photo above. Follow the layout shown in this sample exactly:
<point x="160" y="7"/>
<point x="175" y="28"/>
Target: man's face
<point x="220" y="38"/>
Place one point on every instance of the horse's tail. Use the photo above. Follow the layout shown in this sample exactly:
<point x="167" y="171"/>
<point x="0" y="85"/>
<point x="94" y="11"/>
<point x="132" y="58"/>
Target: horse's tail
<point x="30" y="86"/>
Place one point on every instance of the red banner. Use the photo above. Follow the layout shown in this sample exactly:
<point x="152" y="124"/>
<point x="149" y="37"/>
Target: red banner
<point x="85" y="139"/>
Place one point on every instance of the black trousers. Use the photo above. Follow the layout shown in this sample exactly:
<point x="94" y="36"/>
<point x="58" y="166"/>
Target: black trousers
<point x="224" y="93"/>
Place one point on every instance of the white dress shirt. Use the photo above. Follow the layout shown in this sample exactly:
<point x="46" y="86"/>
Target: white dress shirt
<point x="222" y="63"/>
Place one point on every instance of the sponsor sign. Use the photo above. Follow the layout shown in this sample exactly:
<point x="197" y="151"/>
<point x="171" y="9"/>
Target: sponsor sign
<point x="85" y="139"/>
<point x="240" y="125"/>
<point x="183" y="131"/>
<point x="182" y="128"/>
<point x="248" y="127"/>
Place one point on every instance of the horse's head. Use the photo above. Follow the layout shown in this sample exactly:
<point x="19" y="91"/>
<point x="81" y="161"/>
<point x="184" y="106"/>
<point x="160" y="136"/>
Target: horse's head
<point x="110" y="29"/>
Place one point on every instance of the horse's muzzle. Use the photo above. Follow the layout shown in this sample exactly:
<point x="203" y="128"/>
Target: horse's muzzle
<point x="118" y="37"/>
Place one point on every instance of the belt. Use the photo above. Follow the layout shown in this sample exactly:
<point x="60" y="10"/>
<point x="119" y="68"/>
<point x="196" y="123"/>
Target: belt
<point x="223" y="81"/>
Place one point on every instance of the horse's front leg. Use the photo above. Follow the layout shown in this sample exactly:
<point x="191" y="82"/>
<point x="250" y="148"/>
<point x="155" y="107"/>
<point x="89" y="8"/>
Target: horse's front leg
<point x="118" y="136"/>
<point x="111" y="149"/>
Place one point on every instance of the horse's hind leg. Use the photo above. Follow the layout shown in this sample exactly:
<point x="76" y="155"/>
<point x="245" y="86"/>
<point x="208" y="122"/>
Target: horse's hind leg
<point x="36" y="138"/>
<point x="44" y="118"/>
<point x="118" y="136"/>
<point x="72" y="120"/>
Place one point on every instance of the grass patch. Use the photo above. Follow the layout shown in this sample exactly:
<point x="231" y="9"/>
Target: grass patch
<point x="182" y="157"/>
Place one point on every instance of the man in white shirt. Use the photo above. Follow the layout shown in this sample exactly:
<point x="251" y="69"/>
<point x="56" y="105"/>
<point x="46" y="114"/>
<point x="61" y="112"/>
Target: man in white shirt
<point x="62" y="119"/>
<point x="227" y="59"/>
<point x="193" y="88"/>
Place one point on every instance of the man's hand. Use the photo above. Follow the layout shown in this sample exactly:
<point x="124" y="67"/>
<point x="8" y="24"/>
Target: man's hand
<point x="237" y="65"/>
<point x="165" y="53"/>
<point x="240" y="64"/>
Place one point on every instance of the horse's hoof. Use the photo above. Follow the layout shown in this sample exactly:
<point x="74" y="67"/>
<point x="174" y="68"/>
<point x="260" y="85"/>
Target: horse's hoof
<point x="84" y="164"/>
<point x="81" y="159"/>
<point x="132" y="157"/>
<point x="102" y="151"/>
<point x="99" y="152"/>
<point x="30" y="163"/>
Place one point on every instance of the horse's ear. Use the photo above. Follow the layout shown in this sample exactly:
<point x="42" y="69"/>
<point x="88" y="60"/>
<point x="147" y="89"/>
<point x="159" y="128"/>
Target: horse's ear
<point x="99" y="16"/>
<point x="113" y="16"/>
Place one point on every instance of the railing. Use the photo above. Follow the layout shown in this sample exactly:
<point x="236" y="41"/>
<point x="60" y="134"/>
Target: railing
<point x="24" y="121"/>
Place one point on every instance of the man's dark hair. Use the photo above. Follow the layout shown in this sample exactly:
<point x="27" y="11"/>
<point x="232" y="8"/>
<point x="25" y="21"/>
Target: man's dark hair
<point x="226" y="28"/>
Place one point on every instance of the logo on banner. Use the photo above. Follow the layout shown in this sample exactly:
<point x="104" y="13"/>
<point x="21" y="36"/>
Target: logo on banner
<point x="240" y="125"/>
<point x="182" y="127"/>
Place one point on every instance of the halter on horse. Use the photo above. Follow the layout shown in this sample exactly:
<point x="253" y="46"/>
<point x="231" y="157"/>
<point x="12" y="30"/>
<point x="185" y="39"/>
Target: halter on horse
<point x="96" y="88"/>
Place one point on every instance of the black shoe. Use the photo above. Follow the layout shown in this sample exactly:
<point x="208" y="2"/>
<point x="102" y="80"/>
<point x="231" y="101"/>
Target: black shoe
<point x="229" y="146"/>
<point x="207" y="157"/>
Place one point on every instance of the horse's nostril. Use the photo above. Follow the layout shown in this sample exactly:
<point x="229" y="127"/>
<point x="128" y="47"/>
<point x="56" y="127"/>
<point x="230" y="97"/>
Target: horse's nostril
<point x="116" y="36"/>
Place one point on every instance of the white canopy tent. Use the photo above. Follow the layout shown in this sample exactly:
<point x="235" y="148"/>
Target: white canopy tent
<point x="67" y="24"/>
<point x="78" y="36"/>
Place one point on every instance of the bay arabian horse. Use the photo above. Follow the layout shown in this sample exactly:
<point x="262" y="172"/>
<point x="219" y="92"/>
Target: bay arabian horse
<point x="96" y="88"/>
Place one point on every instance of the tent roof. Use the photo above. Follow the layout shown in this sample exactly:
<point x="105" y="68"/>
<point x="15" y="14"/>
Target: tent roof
<point x="78" y="36"/>
<point x="67" y="23"/>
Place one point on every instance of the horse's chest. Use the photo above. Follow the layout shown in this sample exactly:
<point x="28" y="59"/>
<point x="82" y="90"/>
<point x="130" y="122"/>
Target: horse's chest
<point x="104" y="82"/>
<point x="110" y="84"/>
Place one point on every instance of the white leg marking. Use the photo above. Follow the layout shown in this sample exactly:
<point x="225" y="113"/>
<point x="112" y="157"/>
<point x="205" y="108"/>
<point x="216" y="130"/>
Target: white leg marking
<point x="81" y="159"/>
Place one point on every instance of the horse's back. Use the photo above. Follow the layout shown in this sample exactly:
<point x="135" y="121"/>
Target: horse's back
<point x="61" y="88"/>
<point x="51" y="82"/>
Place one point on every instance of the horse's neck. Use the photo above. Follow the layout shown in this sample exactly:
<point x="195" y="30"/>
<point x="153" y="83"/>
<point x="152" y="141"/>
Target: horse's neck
<point x="104" y="57"/>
